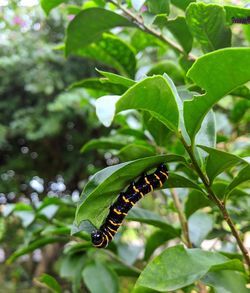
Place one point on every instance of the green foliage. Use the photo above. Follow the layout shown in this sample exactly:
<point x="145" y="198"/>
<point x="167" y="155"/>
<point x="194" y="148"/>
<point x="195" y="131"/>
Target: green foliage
<point x="82" y="26"/>
<point x="170" y="92"/>
<point x="216" y="80"/>
<point x="189" y="265"/>
<point x="208" y="25"/>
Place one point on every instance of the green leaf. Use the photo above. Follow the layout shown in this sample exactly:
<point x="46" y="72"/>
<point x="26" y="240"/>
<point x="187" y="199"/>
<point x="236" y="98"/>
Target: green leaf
<point x="176" y="268"/>
<point x="49" y="282"/>
<point x="104" y="186"/>
<point x="178" y="181"/>
<point x="72" y="265"/>
<point x="196" y="200"/>
<point x="226" y="282"/>
<point x="236" y="12"/>
<point x="113" y="51"/>
<point x="156" y="128"/>
<point x="207" y="23"/>
<point x="178" y="27"/>
<point x="243" y="176"/>
<point x="32" y="246"/>
<point x="159" y="6"/>
<point x="219" y="161"/>
<point x="182" y="4"/>
<point x="106" y="282"/>
<point x="48" y="5"/>
<point x="232" y="264"/>
<point x="135" y="151"/>
<point x="220" y="187"/>
<point x="152" y="94"/>
<point x="240" y="108"/>
<point x="217" y="81"/>
<point x="155" y="240"/>
<point x="117" y="79"/>
<point x="141" y="40"/>
<point x="52" y="231"/>
<point x="172" y="69"/>
<point x="100" y="84"/>
<point x="84" y="29"/>
<point x="199" y="225"/>
<point x="105" y="143"/>
<point x="150" y="218"/>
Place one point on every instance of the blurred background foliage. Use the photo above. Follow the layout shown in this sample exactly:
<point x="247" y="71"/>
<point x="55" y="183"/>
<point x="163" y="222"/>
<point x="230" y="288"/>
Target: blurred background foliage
<point x="44" y="123"/>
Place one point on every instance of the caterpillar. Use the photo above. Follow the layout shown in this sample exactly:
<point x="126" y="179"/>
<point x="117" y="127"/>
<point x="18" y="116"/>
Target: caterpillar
<point x="125" y="201"/>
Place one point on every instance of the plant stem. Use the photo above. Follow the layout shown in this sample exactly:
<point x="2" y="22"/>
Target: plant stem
<point x="182" y="217"/>
<point x="220" y="204"/>
<point x="139" y="22"/>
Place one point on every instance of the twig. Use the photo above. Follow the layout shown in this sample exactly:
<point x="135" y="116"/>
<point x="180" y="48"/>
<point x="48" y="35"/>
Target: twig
<point x="182" y="217"/>
<point x="152" y="31"/>
<point x="220" y="204"/>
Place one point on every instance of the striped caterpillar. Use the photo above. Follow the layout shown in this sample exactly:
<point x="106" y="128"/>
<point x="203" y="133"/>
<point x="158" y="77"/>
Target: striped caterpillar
<point x="125" y="201"/>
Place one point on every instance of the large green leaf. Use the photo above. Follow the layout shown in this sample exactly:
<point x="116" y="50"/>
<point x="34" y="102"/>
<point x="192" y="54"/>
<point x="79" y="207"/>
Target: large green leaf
<point x="150" y="218"/>
<point x="153" y="94"/>
<point x="104" y="186"/>
<point x="217" y="81"/>
<point x="84" y="29"/>
<point x="178" y="27"/>
<point x="208" y="25"/>
<point x="113" y="51"/>
<point x="50" y="283"/>
<point x="199" y="225"/>
<point x="176" y="268"/>
<point x="218" y="161"/>
<point x="48" y="5"/>
<point x="100" y="279"/>
<point x="243" y="176"/>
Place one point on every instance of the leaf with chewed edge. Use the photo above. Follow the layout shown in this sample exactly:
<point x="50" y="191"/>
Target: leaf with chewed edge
<point x="217" y="81"/>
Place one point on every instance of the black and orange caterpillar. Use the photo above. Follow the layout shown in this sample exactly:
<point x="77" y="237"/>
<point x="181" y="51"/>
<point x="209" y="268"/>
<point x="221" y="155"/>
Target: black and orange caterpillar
<point x="125" y="201"/>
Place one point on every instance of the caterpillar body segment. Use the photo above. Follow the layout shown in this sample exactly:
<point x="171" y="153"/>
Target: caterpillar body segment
<point x="125" y="201"/>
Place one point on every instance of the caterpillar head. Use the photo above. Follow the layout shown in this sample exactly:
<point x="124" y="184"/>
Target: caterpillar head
<point x="97" y="238"/>
<point x="163" y="167"/>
